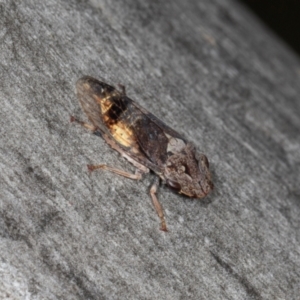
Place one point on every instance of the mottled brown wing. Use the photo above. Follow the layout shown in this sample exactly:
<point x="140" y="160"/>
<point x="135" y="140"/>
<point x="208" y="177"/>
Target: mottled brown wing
<point x="158" y="122"/>
<point x="151" y="135"/>
<point x="88" y="89"/>
<point x="142" y="136"/>
<point x="114" y="116"/>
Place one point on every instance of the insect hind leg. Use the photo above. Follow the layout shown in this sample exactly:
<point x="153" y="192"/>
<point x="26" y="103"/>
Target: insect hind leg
<point x="97" y="132"/>
<point x="85" y="125"/>
<point x="136" y="176"/>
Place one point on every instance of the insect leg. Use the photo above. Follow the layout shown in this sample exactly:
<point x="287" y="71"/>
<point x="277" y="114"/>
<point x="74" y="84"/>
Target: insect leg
<point x="157" y="205"/>
<point x="86" y="125"/>
<point x="140" y="169"/>
<point x="136" y="176"/>
<point x="123" y="89"/>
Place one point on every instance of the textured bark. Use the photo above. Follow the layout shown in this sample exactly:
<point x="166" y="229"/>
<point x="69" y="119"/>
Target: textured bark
<point x="211" y="71"/>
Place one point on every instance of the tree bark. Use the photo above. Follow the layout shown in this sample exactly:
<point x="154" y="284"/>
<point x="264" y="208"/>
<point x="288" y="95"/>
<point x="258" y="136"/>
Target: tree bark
<point x="210" y="70"/>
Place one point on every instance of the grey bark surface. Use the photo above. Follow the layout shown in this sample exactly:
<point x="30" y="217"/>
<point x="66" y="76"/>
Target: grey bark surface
<point x="211" y="71"/>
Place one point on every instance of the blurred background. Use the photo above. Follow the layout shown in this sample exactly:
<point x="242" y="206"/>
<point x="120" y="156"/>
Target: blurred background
<point x="282" y="16"/>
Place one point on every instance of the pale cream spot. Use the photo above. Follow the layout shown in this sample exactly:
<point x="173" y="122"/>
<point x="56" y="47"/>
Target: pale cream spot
<point x="181" y="169"/>
<point x="175" y="145"/>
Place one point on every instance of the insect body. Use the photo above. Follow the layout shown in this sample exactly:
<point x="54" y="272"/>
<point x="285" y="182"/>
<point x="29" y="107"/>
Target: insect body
<point x="144" y="140"/>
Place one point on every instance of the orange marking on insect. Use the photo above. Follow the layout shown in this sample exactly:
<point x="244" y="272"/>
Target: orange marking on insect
<point x="122" y="134"/>
<point x="105" y="103"/>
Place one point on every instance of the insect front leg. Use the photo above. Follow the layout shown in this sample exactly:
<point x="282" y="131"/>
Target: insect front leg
<point x="157" y="205"/>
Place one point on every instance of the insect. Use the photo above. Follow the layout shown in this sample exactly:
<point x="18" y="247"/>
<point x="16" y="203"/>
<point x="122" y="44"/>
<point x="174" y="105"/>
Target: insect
<point x="144" y="141"/>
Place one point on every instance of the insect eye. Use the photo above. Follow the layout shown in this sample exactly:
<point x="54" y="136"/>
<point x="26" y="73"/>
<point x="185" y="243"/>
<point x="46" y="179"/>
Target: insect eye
<point x="174" y="185"/>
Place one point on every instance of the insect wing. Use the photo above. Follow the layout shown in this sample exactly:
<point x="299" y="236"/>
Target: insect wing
<point x="89" y="92"/>
<point x="116" y="116"/>
<point x="153" y="136"/>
